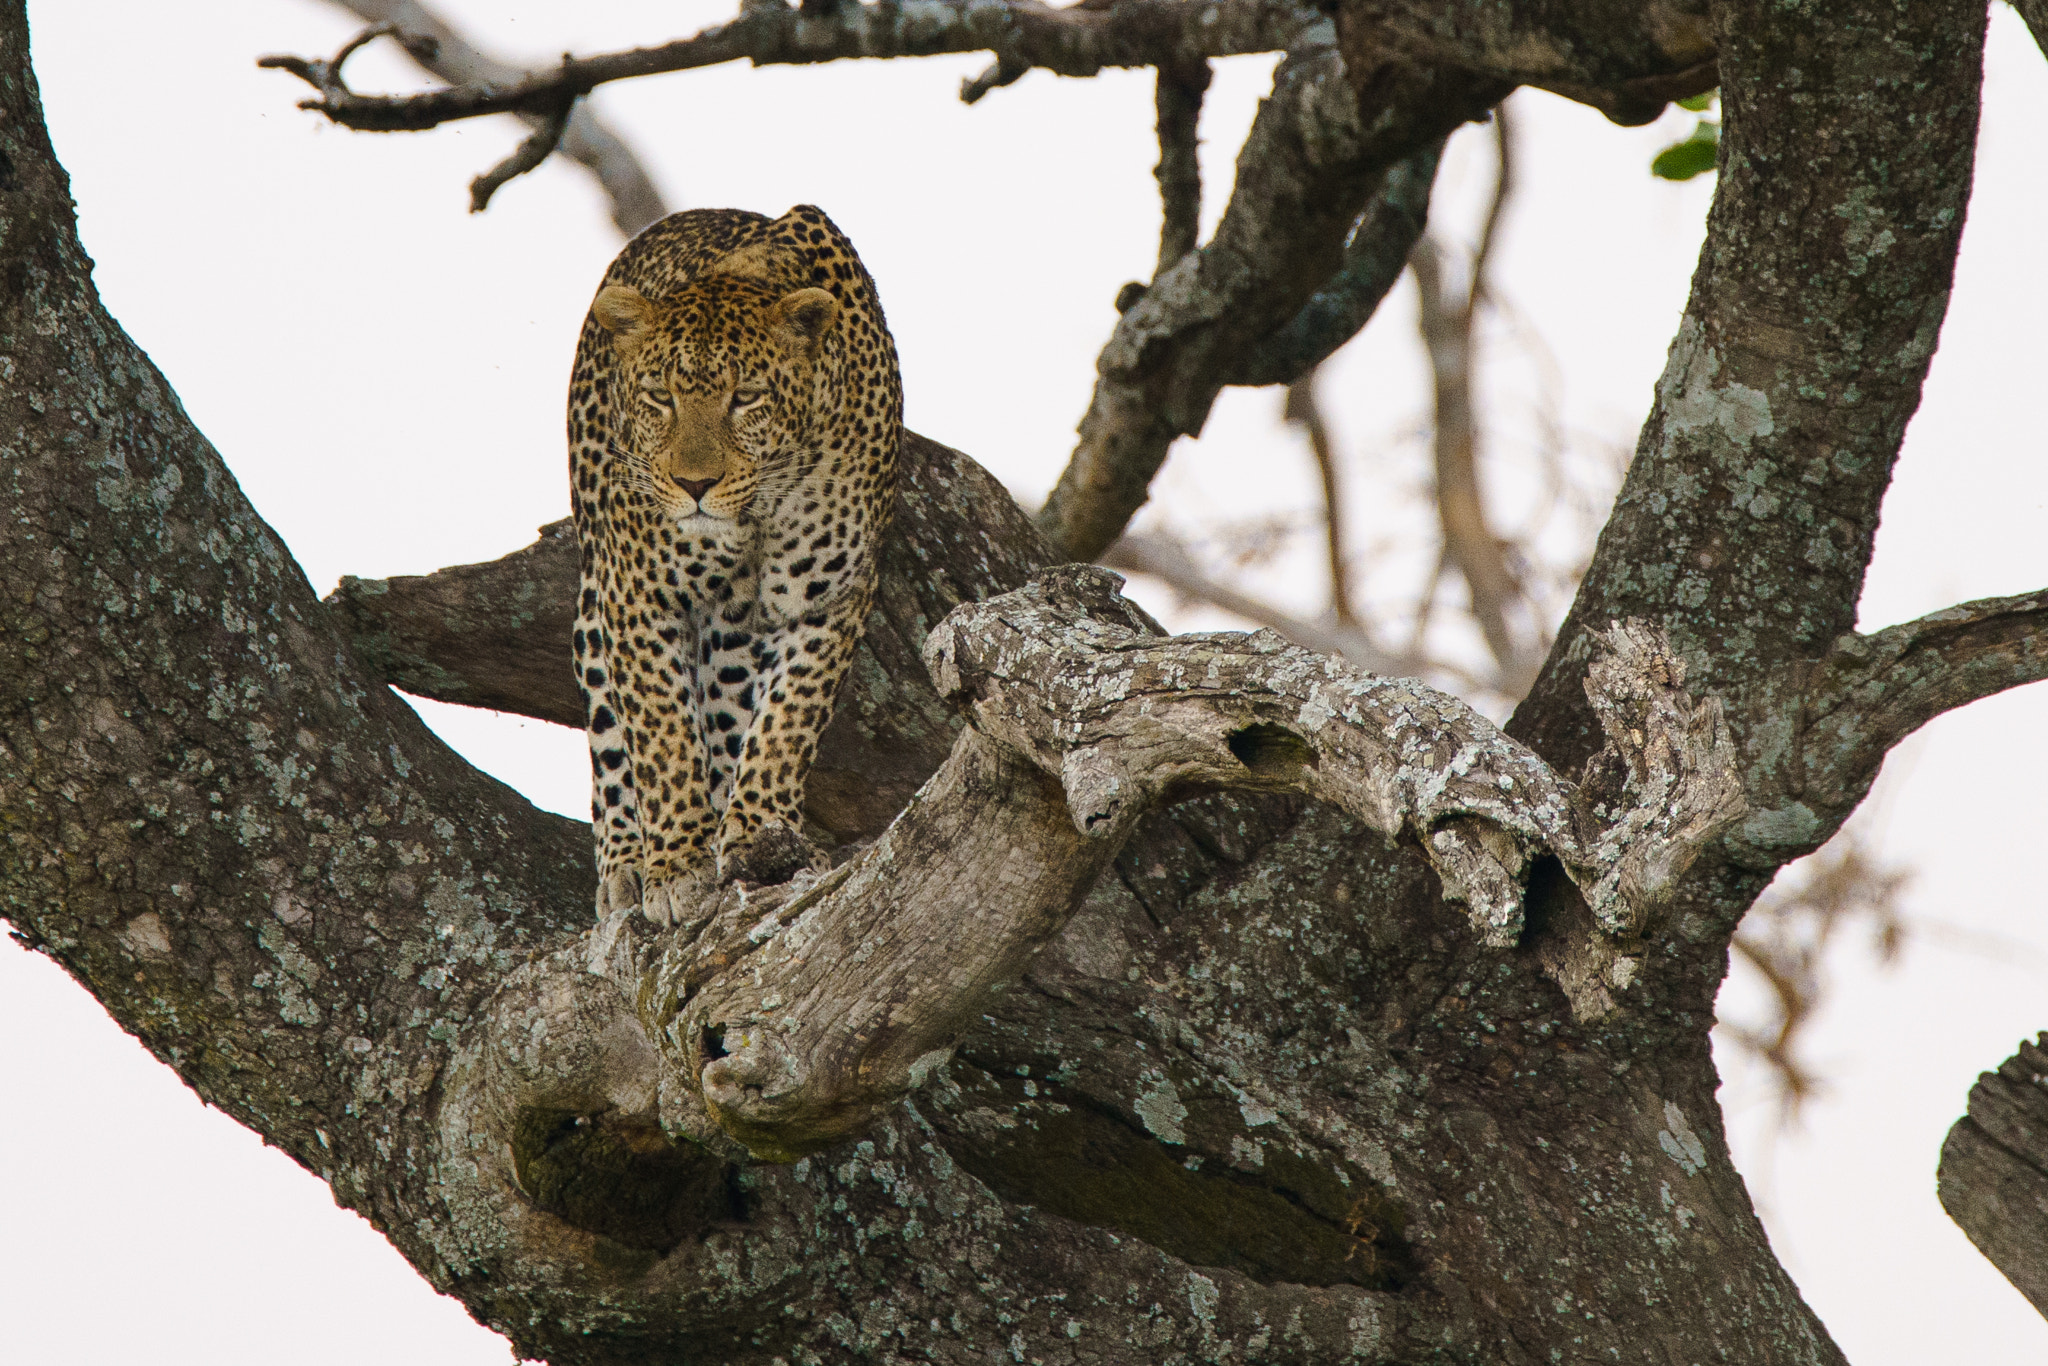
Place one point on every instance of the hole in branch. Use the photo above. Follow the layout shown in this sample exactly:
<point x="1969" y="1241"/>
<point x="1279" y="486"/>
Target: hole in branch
<point x="622" y="1178"/>
<point x="710" y="1045"/>
<point x="1271" y="751"/>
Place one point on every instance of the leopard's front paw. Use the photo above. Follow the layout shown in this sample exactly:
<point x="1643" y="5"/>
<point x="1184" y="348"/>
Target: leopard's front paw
<point x="774" y="855"/>
<point x="617" y="891"/>
<point x="684" y="899"/>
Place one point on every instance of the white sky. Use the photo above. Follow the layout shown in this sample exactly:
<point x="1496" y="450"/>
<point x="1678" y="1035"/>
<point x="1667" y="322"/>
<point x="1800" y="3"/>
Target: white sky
<point x="384" y="374"/>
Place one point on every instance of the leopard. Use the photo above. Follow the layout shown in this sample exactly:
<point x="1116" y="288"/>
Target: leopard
<point x="734" y="418"/>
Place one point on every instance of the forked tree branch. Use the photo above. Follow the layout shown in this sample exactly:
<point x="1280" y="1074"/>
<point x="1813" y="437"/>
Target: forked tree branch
<point x="1314" y="161"/>
<point x="1373" y="261"/>
<point x="587" y="140"/>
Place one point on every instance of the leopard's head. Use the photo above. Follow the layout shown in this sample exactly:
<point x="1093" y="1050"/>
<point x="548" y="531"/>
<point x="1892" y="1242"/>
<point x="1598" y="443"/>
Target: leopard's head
<point x="713" y="391"/>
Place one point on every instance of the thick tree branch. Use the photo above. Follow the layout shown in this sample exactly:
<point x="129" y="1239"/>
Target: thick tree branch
<point x="587" y="139"/>
<point x="1993" y="1179"/>
<point x="483" y="635"/>
<point x="1315" y="156"/>
<point x="1373" y="261"/>
<point x="1079" y="41"/>
<point x="1626" y="58"/>
<point x="1746" y="521"/>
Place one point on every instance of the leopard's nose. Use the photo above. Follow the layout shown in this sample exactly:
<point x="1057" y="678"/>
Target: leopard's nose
<point x="697" y="488"/>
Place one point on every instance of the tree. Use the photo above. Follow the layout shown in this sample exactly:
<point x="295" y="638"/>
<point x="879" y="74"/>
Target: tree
<point x="1325" y="1110"/>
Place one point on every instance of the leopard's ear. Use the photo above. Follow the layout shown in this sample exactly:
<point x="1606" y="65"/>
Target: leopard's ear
<point x="806" y="316"/>
<point x="625" y="313"/>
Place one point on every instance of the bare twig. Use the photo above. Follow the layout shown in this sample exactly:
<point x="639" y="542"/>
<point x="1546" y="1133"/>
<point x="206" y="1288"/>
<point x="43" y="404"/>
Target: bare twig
<point x="1496" y="208"/>
<point x="1446" y="317"/>
<point x="588" y="141"/>
<point x="532" y="150"/>
<point x="1177" y="97"/>
<point x="1303" y="411"/>
<point x="1166" y="559"/>
<point x="1080" y="41"/>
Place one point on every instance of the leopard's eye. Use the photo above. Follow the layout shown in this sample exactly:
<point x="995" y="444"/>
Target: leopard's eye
<point x="747" y="398"/>
<point x="661" y="399"/>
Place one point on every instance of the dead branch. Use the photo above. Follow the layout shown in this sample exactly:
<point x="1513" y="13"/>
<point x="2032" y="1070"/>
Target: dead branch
<point x="532" y="150"/>
<point x="1303" y="410"/>
<point x="1080" y="41"/>
<point x="1177" y="98"/>
<point x="1497" y="205"/>
<point x="1313" y="161"/>
<point x="1446" y="317"/>
<point x="588" y="140"/>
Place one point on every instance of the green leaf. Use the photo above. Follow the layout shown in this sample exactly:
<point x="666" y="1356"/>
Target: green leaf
<point x="1695" y="155"/>
<point x="1699" y="104"/>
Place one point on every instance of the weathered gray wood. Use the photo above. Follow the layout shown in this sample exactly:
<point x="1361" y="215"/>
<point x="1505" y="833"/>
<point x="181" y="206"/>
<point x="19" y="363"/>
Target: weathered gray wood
<point x="1993" y="1179"/>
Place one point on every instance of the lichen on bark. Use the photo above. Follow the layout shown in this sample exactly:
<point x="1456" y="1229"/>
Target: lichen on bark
<point x="1218" y="1076"/>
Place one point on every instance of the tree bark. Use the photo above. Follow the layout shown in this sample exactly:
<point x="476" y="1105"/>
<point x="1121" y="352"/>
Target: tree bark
<point x="1144" y="1029"/>
<point x="1994" y="1170"/>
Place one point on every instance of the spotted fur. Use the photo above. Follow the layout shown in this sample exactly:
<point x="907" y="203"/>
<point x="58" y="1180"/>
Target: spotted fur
<point x="734" y="417"/>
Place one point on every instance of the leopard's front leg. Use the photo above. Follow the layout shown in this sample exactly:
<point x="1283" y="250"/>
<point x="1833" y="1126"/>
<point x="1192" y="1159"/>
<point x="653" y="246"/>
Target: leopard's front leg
<point x="799" y="669"/>
<point x="650" y="784"/>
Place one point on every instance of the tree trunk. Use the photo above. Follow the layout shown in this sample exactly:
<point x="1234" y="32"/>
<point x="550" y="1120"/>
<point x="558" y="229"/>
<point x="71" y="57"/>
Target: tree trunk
<point x="1146" y="1029"/>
